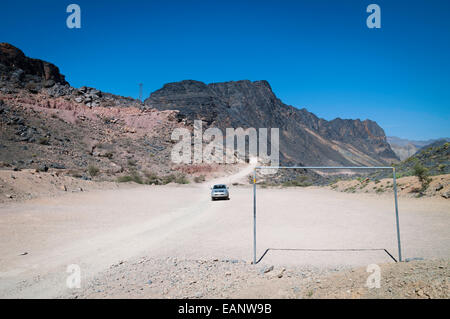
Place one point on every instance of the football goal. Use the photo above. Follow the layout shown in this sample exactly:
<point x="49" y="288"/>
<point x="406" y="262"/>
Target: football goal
<point x="260" y="168"/>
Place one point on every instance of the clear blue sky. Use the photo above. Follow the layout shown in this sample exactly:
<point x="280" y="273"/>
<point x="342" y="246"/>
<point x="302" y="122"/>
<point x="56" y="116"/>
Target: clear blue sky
<point x="315" y="54"/>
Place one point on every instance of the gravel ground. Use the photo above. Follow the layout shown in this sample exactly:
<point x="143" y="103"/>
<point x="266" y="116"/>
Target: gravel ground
<point x="428" y="279"/>
<point x="196" y="279"/>
<point x="193" y="279"/>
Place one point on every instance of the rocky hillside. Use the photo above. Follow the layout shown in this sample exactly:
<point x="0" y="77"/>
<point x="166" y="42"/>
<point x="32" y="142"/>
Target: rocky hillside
<point x="435" y="158"/>
<point x="305" y="139"/>
<point x="46" y="124"/>
<point x="435" y="144"/>
<point x="434" y="161"/>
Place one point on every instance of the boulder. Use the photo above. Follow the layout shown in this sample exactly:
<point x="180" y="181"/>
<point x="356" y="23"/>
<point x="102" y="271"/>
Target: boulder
<point x="42" y="168"/>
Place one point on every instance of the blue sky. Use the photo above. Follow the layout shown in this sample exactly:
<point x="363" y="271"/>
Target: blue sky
<point x="315" y="54"/>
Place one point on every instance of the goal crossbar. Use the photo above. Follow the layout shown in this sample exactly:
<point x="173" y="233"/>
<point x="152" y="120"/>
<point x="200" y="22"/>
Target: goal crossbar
<point x="326" y="167"/>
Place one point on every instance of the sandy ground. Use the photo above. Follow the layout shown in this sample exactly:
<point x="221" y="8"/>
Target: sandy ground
<point x="104" y="231"/>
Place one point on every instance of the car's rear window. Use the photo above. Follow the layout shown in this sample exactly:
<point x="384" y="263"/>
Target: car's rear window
<point x="219" y="186"/>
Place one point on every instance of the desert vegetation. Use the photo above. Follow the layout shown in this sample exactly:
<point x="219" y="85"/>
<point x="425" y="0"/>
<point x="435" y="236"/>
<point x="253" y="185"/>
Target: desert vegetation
<point x="300" y="181"/>
<point x="150" y="178"/>
<point x="422" y="174"/>
<point x="93" y="170"/>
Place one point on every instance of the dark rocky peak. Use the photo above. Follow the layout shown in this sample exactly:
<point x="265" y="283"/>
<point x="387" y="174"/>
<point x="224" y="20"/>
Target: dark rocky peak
<point x="192" y="88"/>
<point x="18" y="72"/>
<point x="18" y="68"/>
<point x="182" y="88"/>
<point x="192" y="96"/>
<point x="242" y="86"/>
<point x="346" y="128"/>
<point x="245" y="93"/>
<point x="225" y="103"/>
<point x="304" y="137"/>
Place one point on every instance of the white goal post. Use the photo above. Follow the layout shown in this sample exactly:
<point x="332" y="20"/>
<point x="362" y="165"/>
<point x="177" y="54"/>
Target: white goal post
<point x="320" y="168"/>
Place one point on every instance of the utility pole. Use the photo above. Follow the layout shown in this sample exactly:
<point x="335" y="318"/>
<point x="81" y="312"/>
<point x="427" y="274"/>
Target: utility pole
<point x="140" y="92"/>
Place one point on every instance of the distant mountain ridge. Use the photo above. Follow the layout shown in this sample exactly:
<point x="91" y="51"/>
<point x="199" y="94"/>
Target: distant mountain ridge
<point x="305" y="139"/>
<point x="405" y="148"/>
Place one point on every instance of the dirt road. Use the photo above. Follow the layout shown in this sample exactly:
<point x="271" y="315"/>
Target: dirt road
<point x="39" y="238"/>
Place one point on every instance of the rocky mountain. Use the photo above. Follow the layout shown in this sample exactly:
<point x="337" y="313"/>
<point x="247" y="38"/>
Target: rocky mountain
<point x="305" y="139"/>
<point x="405" y="148"/>
<point x="46" y="123"/>
<point x="19" y="73"/>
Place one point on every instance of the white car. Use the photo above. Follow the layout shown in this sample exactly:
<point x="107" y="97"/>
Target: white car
<point x="220" y="191"/>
